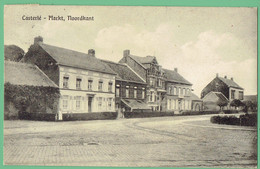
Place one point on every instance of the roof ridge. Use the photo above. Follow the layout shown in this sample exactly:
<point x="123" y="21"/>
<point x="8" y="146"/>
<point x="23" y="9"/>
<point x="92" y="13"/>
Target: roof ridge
<point x="63" y="48"/>
<point x="103" y="60"/>
<point x="137" y="61"/>
<point x="135" y="73"/>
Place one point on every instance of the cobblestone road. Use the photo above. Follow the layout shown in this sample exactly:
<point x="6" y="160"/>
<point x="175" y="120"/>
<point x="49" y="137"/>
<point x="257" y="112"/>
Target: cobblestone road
<point x="184" y="141"/>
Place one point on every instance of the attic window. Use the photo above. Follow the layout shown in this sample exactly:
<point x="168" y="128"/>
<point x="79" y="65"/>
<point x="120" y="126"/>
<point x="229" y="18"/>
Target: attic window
<point x="50" y="63"/>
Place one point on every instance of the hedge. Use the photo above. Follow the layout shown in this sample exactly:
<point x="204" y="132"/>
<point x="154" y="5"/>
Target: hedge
<point x="32" y="99"/>
<point x="242" y="120"/>
<point x="199" y="112"/>
<point x="37" y="116"/>
<point x="147" y="114"/>
<point x="89" y="116"/>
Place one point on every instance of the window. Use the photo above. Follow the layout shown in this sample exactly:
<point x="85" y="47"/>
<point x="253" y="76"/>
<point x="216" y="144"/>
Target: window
<point x="241" y="95"/>
<point x="188" y="91"/>
<point x="184" y="91"/>
<point x="109" y="103"/>
<point x="174" y="90"/>
<point x="78" y="83"/>
<point x="110" y="86"/>
<point x="232" y="94"/>
<point x="151" y="96"/>
<point x="78" y="102"/>
<point x="100" y="85"/>
<point x="127" y="91"/>
<point x="65" y="82"/>
<point x="90" y="82"/>
<point x="143" y="93"/>
<point x="159" y="82"/>
<point x="151" y="81"/>
<point x="117" y="92"/>
<point x="65" y="102"/>
<point x="135" y="92"/>
<point x="180" y="91"/>
<point x="170" y="89"/>
<point x="99" y="103"/>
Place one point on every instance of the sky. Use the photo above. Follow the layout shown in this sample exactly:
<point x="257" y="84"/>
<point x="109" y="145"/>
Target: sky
<point x="199" y="41"/>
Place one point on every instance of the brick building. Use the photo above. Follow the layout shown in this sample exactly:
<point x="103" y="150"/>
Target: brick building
<point x="130" y="88"/>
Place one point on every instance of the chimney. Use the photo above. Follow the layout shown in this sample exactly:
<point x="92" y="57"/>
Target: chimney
<point x="91" y="52"/>
<point x="38" y="39"/>
<point x="126" y="52"/>
<point x="232" y="79"/>
<point x="217" y="75"/>
<point x="176" y="69"/>
<point x="225" y="77"/>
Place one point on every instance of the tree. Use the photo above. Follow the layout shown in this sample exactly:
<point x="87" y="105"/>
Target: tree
<point x="13" y="53"/>
<point x="222" y="103"/>
<point x="236" y="103"/>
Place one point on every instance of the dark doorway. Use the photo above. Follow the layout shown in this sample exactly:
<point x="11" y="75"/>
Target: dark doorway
<point x="89" y="104"/>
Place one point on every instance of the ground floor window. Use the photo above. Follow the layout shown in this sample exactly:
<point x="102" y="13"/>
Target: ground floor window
<point x="78" y="102"/>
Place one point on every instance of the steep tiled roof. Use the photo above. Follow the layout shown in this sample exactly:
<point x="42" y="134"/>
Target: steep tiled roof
<point x="195" y="97"/>
<point x="147" y="59"/>
<point x="76" y="59"/>
<point x="221" y="96"/>
<point x="229" y="82"/>
<point x="26" y="74"/>
<point x="123" y="72"/>
<point x="174" y="76"/>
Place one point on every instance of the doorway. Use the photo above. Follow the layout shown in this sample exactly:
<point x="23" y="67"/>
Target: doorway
<point x="90" y="104"/>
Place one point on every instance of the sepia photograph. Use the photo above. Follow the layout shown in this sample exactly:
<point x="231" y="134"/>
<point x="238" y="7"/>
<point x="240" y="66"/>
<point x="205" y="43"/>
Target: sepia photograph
<point x="130" y="86"/>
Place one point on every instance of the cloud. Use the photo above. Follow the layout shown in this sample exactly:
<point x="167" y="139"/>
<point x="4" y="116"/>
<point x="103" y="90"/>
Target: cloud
<point x="197" y="60"/>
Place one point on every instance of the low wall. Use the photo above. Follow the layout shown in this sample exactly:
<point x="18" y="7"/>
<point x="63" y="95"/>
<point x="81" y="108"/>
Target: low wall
<point x="89" y="116"/>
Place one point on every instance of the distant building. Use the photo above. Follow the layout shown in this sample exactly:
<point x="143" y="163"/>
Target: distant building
<point x="178" y="96"/>
<point x="167" y="90"/>
<point x="28" y="89"/>
<point x="228" y="87"/>
<point x="130" y="88"/>
<point x="196" y="102"/>
<point x="85" y="83"/>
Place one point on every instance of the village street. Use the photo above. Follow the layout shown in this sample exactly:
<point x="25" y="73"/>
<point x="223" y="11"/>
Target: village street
<point x="179" y="141"/>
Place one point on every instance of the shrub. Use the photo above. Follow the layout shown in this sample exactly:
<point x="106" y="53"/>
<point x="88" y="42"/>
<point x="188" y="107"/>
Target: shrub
<point x="230" y="111"/>
<point x="243" y="120"/>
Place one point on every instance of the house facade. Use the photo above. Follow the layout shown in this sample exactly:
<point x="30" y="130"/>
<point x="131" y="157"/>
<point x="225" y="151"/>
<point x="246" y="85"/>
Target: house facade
<point x="149" y="70"/>
<point x="85" y="83"/>
<point x="130" y="89"/>
<point x="178" y="96"/>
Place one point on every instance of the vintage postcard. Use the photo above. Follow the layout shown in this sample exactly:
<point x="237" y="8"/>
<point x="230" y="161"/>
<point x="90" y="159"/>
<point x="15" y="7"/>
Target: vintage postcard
<point x="130" y="86"/>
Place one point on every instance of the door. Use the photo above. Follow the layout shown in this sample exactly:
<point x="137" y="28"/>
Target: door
<point x="89" y="104"/>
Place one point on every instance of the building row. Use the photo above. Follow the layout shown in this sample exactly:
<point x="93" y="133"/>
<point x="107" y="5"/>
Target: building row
<point x="88" y="84"/>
